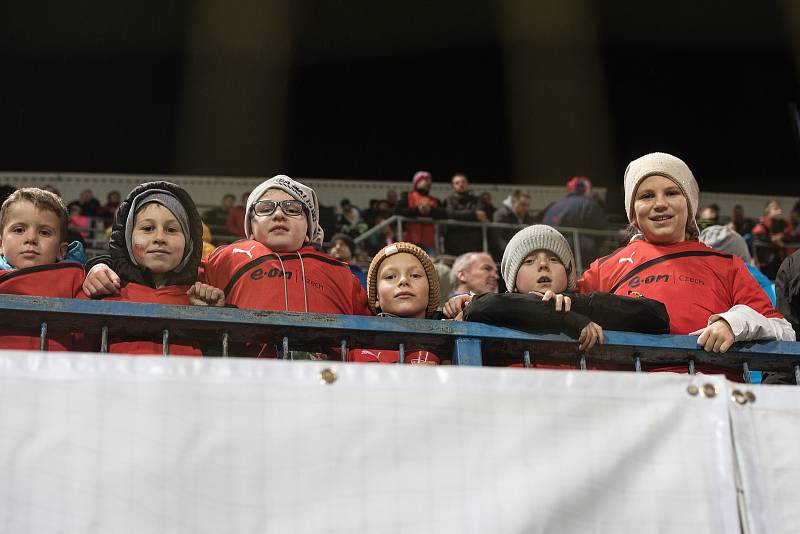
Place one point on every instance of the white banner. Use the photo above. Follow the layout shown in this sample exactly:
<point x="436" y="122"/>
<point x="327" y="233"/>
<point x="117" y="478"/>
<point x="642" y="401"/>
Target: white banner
<point x="766" y="428"/>
<point x="93" y="443"/>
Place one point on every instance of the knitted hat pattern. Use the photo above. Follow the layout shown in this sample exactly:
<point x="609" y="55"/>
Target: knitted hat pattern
<point x="529" y="240"/>
<point x="427" y="265"/>
<point x="420" y="175"/>
<point x="661" y="164"/>
<point x="298" y="191"/>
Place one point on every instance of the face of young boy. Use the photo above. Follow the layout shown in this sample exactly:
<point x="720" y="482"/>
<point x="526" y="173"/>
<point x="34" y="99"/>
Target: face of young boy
<point x="540" y="271"/>
<point x="279" y="232"/>
<point x="157" y="239"/>
<point x="31" y="236"/>
<point x="402" y="286"/>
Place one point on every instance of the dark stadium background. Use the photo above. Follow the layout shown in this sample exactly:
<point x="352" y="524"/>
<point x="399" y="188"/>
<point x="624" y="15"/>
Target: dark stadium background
<point x="509" y="92"/>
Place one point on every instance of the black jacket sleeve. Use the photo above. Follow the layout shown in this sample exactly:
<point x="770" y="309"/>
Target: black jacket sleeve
<point x="523" y="312"/>
<point x="615" y="312"/>
<point x="787" y="290"/>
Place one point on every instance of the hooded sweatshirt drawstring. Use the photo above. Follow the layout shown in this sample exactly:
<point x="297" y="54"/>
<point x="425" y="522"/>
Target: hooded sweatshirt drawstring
<point x="286" y="288"/>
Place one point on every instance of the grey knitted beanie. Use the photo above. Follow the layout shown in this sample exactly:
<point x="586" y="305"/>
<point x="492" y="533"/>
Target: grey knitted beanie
<point x="661" y="164"/>
<point x="169" y="201"/>
<point x="530" y="239"/>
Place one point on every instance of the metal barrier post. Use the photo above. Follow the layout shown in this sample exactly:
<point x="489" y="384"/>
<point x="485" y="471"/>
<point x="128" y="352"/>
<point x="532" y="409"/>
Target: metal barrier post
<point x="43" y="337"/>
<point x="797" y="374"/>
<point x="526" y="358"/>
<point x="691" y="366"/>
<point x="637" y="364"/>
<point x="402" y="349"/>
<point x="576" y="238"/>
<point x="467" y="351"/>
<point x="165" y="342"/>
<point x="344" y="350"/>
<point x="225" y="344"/>
<point x="286" y="354"/>
<point x="104" y="339"/>
<point x="583" y="365"/>
<point x="746" y="372"/>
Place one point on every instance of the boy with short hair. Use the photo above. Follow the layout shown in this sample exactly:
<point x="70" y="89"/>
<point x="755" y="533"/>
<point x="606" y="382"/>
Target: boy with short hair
<point x="35" y="258"/>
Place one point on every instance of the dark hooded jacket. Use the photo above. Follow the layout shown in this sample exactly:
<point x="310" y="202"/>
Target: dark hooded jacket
<point x="120" y="255"/>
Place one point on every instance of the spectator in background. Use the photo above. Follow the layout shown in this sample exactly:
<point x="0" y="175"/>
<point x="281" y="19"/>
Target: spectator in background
<point x="739" y="223"/>
<point x="514" y="210"/>
<point x="88" y="205"/>
<point x="485" y="200"/>
<point x="579" y="210"/>
<point x="420" y="203"/>
<point x="708" y="216"/>
<point x="234" y="222"/>
<point x="787" y="287"/>
<point x="350" y="221"/>
<point x="53" y="190"/>
<point x="794" y="216"/>
<point x="474" y="273"/>
<point x="343" y="248"/>
<point x="385" y="236"/>
<point x="110" y="208"/>
<point x="769" y="236"/>
<point x="392" y="198"/>
<point x="218" y="215"/>
<point x="724" y="239"/>
<point x="463" y="206"/>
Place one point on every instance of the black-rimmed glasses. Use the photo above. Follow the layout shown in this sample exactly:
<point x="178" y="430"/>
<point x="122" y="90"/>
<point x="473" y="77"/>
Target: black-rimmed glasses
<point x="289" y="207"/>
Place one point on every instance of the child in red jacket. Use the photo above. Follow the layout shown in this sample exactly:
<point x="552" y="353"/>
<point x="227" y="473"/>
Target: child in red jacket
<point x="35" y="259"/>
<point x="401" y="282"/>
<point x="156" y="246"/>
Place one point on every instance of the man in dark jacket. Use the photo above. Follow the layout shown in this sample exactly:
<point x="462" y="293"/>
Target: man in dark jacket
<point x="514" y="210"/>
<point x="462" y="205"/>
<point x="787" y="290"/>
<point x="579" y="210"/>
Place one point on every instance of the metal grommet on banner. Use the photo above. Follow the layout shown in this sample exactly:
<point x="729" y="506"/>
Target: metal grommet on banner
<point x="738" y="397"/>
<point x="751" y="397"/>
<point x="327" y="376"/>
<point x="709" y="390"/>
<point x="692" y="390"/>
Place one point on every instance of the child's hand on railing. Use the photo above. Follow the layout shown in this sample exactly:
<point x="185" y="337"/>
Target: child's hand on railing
<point x="454" y="308"/>
<point x="591" y="334"/>
<point x="201" y="294"/>
<point x="716" y="337"/>
<point x="101" y="281"/>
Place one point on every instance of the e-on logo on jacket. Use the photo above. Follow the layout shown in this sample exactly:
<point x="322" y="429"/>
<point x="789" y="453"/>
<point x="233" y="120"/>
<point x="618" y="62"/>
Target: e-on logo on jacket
<point x="637" y="281"/>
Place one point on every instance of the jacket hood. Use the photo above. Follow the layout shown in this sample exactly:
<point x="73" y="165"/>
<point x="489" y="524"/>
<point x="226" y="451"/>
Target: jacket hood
<point x="120" y="254"/>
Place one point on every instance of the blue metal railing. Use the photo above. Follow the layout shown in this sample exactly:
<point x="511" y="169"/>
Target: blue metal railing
<point x="461" y="342"/>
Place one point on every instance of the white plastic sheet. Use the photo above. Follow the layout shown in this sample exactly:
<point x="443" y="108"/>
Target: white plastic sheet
<point x="767" y="439"/>
<point x="93" y="443"/>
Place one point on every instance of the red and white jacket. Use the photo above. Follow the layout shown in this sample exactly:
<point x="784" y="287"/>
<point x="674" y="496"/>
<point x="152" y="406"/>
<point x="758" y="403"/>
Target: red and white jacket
<point x="172" y="294"/>
<point x="61" y="280"/>
<point x="392" y="356"/>
<point x="307" y="280"/>
<point x="697" y="284"/>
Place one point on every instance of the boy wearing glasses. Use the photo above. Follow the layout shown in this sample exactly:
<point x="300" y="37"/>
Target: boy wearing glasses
<point x="279" y="267"/>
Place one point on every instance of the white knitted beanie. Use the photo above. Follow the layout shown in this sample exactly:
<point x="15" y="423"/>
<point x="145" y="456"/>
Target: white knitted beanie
<point x="661" y="164"/>
<point x="530" y="239"/>
<point x="298" y="191"/>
